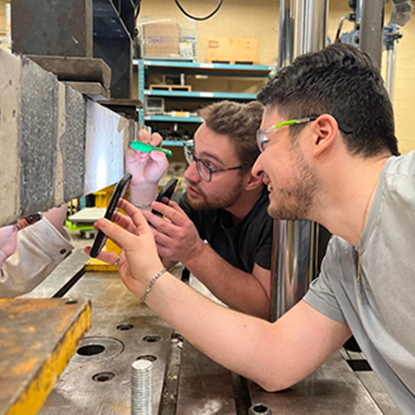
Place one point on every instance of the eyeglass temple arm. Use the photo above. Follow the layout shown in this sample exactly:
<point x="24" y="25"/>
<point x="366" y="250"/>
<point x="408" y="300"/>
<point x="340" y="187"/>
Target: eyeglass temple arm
<point x="343" y="127"/>
<point x="293" y="122"/>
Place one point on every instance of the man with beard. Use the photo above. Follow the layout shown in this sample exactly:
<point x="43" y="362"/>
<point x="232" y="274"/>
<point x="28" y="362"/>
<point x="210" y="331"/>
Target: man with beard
<point x="329" y="154"/>
<point x="224" y="205"/>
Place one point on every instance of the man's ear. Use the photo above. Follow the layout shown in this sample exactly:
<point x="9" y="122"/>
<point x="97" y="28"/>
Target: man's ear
<point x="325" y="134"/>
<point x="252" y="181"/>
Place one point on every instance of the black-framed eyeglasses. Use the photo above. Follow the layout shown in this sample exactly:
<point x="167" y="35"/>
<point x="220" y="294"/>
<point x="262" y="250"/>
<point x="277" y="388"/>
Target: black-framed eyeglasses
<point x="262" y="135"/>
<point x="205" y="171"/>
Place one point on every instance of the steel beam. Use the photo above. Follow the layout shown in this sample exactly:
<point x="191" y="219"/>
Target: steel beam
<point x="303" y="26"/>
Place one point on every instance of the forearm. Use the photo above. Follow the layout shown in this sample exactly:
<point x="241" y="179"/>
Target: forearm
<point x="274" y="355"/>
<point x="226" y="336"/>
<point x="237" y="289"/>
<point x="56" y="217"/>
<point x="40" y="248"/>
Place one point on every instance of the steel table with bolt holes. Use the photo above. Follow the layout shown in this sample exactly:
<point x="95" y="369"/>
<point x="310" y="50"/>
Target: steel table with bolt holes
<point x="185" y="382"/>
<point x="37" y="338"/>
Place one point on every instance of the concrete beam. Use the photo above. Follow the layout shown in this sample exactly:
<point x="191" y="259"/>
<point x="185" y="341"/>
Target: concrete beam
<point x="55" y="144"/>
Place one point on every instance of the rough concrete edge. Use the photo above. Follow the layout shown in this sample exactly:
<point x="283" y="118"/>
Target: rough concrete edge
<point x="38" y="108"/>
<point x="58" y="197"/>
<point x="10" y="212"/>
<point x="9" y="137"/>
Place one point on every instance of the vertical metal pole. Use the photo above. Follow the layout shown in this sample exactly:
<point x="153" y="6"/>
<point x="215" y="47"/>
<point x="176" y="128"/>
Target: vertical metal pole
<point x="292" y="264"/>
<point x="371" y="28"/>
<point x="310" y="26"/>
<point x="294" y="242"/>
<point x="391" y="69"/>
<point x="286" y="34"/>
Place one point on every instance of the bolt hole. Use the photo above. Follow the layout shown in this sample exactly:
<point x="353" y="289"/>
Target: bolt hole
<point x="152" y="339"/>
<point x="71" y="302"/>
<point x="147" y="357"/>
<point x="124" y="327"/>
<point x="90" y="350"/>
<point x="260" y="409"/>
<point x="103" y="377"/>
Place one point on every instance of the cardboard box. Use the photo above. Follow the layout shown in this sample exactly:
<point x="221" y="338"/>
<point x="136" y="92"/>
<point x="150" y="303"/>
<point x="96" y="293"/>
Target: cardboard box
<point x="161" y="39"/>
<point x="232" y="50"/>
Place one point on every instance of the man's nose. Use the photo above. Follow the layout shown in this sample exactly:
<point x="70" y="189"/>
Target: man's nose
<point x="191" y="174"/>
<point x="257" y="169"/>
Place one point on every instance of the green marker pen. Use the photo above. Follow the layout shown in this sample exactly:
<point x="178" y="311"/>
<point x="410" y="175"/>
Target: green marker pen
<point x="146" y="148"/>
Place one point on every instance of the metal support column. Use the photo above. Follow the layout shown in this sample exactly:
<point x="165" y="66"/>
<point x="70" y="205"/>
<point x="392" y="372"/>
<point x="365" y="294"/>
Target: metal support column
<point x="286" y="33"/>
<point x="371" y="28"/>
<point x="391" y="70"/>
<point x="310" y="26"/>
<point x="303" y="25"/>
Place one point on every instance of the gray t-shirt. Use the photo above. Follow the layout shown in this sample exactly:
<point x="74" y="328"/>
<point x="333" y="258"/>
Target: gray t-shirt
<point x="384" y="323"/>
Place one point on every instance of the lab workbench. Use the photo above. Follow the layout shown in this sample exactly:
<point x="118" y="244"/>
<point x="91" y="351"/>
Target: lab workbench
<point x="185" y="382"/>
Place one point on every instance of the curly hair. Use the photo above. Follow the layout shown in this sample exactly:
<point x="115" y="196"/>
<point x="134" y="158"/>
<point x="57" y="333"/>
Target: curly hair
<point x="240" y="123"/>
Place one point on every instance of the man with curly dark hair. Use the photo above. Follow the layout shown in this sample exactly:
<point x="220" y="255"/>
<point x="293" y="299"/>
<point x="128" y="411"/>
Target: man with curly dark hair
<point x="224" y="204"/>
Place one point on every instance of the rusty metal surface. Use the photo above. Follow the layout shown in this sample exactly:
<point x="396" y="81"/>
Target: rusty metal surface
<point x="37" y="338"/>
<point x="205" y="387"/>
<point x="93" y="90"/>
<point x="125" y="107"/>
<point x="113" y="43"/>
<point x="378" y="392"/>
<point x="62" y="28"/>
<point x="119" y="323"/>
<point x="70" y="68"/>
<point x="333" y="389"/>
<point x="372" y="383"/>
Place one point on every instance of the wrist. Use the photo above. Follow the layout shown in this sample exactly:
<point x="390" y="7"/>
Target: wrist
<point x="195" y="254"/>
<point x="153" y="280"/>
<point x="143" y="194"/>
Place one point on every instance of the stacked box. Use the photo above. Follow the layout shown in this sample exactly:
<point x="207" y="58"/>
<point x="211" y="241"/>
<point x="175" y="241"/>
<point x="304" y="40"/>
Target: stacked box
<point x="161" y="39"/>
<point x="232" y="50"/>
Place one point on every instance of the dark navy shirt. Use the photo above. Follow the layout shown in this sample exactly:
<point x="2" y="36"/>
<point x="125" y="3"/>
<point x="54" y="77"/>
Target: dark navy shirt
<point x="243" y="245"/>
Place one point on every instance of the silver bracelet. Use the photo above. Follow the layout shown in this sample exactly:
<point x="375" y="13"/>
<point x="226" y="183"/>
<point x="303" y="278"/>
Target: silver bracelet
<point x="150" y="285"/>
